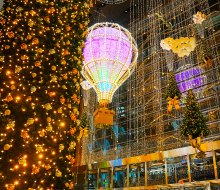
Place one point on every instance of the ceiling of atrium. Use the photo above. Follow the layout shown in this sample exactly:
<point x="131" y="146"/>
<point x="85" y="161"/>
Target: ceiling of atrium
<point x="118" y="13"/>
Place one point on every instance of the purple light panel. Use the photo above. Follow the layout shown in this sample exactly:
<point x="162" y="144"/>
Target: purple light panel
<point x="192" y="78"/>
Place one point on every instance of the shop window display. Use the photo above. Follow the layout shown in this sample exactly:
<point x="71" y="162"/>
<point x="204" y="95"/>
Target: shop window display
<point x="202" y="168"/>
<point x="217" y="152"/>
<point x="136" y="175"/>
<point x="105" y="178"/>
<point x="156" y="173"/>
<point x="177" y="169"/>
<point x="92" y="179"/>
<point x="120" y="177"/>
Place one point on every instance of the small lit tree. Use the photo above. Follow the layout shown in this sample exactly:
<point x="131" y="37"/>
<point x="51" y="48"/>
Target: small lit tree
<point x="194" y="123"/>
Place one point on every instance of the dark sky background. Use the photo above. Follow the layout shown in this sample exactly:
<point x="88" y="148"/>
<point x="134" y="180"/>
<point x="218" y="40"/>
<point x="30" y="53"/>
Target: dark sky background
<point x="119" y="13"/>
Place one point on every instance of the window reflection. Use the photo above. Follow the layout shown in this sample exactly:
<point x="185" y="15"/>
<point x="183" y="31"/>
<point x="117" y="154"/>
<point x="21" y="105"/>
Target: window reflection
<point x="105" y="178"/>
<point x="136" y="175"/>
<point x="119" y="177"/>
<point x="218" y="161"/>
<point x="177" y="169"/>
<point x="202" y="168"/>
<point x="142" y="174"/>
<point x="80" y="180"/>
<point x="156" y="173"/>
<point x="92" y="179"/>
<point x="133" y="175"/>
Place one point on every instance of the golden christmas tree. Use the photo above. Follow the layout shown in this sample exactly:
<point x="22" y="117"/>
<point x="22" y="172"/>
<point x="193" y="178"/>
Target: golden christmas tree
<point x="40" y="61"/>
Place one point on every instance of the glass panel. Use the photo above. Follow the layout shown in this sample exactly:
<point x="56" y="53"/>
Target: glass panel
<point x="80" y="181"/>
<point x="188" y="186"/>
<point x="217" y="152"/>
<point x="136" y="175"/>
<point x="169" y="188"/>
<point x="195" y="188"/>
<point x="142" y="174"/>
<point x="202" y="168"/>
<point x="105" y="178"/>
<point x="156" y="173"/>
<point x="215" y="186"/>
<point x="133" y="175"/>
<point x="92" y="179"/>
<point x="177" y="169"/>
<point x="119" y="177"/>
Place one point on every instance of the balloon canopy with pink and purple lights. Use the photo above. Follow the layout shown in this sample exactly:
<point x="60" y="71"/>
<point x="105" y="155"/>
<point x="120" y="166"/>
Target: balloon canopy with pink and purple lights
<point x="110" y="55"/>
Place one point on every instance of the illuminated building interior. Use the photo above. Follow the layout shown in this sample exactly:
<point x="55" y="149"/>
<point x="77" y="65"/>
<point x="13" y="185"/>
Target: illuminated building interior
<point x="144" y="148"/>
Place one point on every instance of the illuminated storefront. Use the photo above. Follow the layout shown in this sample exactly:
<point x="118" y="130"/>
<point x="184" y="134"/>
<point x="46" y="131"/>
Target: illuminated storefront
<point x="160" y="170"/>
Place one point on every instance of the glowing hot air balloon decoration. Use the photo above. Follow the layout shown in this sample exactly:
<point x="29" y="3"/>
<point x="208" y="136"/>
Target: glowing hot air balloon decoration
<point x="110" y="56"/>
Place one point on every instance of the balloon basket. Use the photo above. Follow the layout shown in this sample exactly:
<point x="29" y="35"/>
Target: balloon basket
<point x="103" y="117"/>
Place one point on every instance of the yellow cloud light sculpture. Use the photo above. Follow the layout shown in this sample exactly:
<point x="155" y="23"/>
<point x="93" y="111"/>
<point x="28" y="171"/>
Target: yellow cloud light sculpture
<point x="182" y="46"/>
